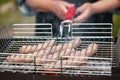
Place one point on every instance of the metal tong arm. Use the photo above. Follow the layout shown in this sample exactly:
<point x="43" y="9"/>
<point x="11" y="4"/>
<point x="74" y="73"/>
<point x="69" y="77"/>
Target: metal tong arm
<point x="68" y="17"/>
<point x="66" y="23"/>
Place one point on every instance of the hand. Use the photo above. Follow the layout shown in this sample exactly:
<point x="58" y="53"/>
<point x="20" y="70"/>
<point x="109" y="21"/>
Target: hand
<point x="84" y="11"/>
<point x="60" y="8"/>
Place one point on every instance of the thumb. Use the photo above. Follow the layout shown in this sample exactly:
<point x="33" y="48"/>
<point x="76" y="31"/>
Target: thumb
<point x="66" y="7"/>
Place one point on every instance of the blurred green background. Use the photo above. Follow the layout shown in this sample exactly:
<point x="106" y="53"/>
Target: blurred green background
<point x="9" y="14"/>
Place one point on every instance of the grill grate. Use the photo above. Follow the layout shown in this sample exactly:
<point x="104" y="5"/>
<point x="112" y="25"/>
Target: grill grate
<point x="99" y="63"/>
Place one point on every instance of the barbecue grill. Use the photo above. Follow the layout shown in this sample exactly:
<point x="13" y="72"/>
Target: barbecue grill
<point x="101" y="64"/>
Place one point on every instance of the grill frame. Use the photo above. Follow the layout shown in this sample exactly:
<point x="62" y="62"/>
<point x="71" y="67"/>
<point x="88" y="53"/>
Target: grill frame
<point x="31" y="37"/>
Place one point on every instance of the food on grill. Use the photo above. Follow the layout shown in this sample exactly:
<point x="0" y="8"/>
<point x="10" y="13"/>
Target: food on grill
<point x="76" y="42"/>
<point x="33" y="48"/>
<point x="74" y="59"/>
<point x="51" y="54"/>
<point x="48" y="44"/>
<point x="55" y="56"/>
<point x="9" y="58"/>
<point x="42" y="54"/>
<point x="92" y="48"/>
<point x="72" y="44"/>
<point x="58" y="55"/>
<point x="38" y="55"/>
<point x="19" y="58"/>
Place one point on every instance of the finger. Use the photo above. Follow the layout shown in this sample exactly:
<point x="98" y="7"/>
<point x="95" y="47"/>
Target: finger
<point x="67" y="5"/>
<point x="82" y="17"/>
<point x="64" y="10"/>
<point x="82" y="8"/>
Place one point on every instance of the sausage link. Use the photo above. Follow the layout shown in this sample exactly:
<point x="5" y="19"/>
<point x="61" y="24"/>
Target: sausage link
<point x="54" y="56"/>
<point x="34" y="48"/>
<point x="92" y="49"/>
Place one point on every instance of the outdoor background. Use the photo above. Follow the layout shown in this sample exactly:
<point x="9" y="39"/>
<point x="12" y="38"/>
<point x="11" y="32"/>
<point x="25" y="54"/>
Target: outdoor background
<point x="9" y="15"/>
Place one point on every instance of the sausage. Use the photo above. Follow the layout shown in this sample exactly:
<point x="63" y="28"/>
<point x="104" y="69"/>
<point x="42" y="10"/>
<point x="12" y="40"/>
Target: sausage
<point x="53" y="49"/>
<point x="17" y="59"/>
<point x="54" y="66"/>
<point x="20" y="58"/>
<point x="64" y="46"/>
<point x="78" y="61"/>
<point x="29" y="58"/>
<point x="67" y="50"/>
<point x="40" y="61"/>
<point x="34" y="48"/>
<point x="48" y="43"/>
<point x="92" y="49"/>
<point x="10" y="58"/>
<point x="54" y="56"/>
<point x="38" y="53"/>
<point x="76" y="42"/>
<point x="72" y="61"/>
<point x="13" y="58"/>
<point x="44" y="53"/>
<point x="30" y="48"/>
<point x="72" y="44"/>
<point x="58" y="55"/>
<point x="42" y="56"/>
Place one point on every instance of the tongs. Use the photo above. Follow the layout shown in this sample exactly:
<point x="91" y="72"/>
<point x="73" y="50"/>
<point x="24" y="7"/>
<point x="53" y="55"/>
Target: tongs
<point x="68" y="21"/>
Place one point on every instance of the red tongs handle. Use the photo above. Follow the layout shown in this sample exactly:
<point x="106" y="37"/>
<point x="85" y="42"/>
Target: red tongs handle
<point x="71" y="12"/>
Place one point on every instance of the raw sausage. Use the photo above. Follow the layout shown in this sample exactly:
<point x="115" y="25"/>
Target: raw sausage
<point x="34" y="48"/>
<point x="72" y="61"/>
<point x="54" y="56"/>
<point x="92" y="49"/>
